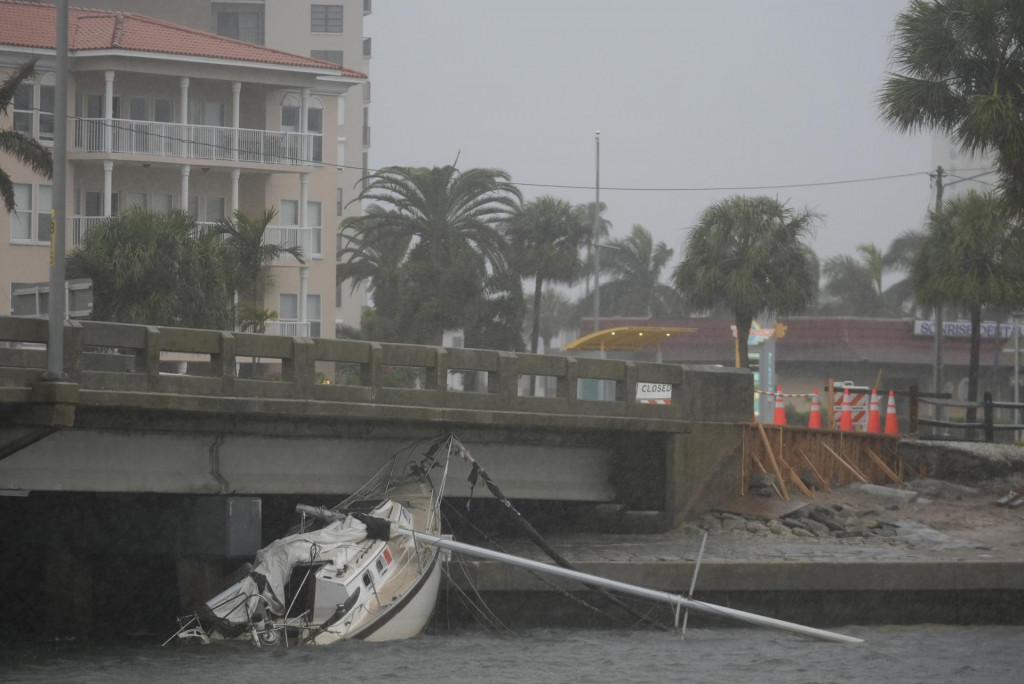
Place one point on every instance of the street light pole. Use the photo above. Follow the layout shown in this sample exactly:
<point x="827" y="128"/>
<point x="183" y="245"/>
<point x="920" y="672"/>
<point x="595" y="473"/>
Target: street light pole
<point x="597" y="251"/>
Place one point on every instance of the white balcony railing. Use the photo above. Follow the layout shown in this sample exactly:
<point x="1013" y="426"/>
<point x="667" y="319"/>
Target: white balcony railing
<point x="188" y="141"/>
<point x="309" y="239"/>
<point x="78" y="226"/>
<point x="288" y="328"/>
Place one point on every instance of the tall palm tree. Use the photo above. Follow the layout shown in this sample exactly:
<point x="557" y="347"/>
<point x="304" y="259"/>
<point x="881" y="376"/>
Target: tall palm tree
<point x="23" y="148"/>
<point x="857" y="282"/>
<point x="596" y="233"/>
<point x="157" y="269"/>
<point x="249" y="255"/>
<point x="972" y="255"/>
<point x="749" y="254"/>
<point x="452" y="220"/>
<point x="544" y="238"/>
<point x="960" y="71"/>
<point x="636" y="264"/>
<point x="371" y="254"/>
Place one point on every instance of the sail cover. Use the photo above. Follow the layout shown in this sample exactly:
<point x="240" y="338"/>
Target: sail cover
<point x="265" y="585"/>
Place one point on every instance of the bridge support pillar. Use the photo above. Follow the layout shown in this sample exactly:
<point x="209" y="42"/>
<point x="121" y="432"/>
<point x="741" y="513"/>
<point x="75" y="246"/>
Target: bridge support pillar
<point x="54" y="403"/>
<point x="701" y="468"/>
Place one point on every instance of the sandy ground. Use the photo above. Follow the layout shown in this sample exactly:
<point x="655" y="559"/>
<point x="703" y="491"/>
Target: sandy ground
<point x="967" y="513"/>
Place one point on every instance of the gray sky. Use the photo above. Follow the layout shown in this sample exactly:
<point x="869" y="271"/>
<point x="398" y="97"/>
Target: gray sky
<point x="686" y="94"/>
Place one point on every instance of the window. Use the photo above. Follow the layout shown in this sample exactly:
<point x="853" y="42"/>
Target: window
<point x="163" y="110"/>
<point x="333" y="56"/>
<point x="341" y="203"/>
<point x="193" y="206"/>
<point x="214" y="209"/>
<point x="247" y="26"/>
<point x="326" y="18"/>
<point x="29" y="97"/>
<point x="21" y="217"/>
<point x="289" y="213"/>
<point x="341" y="110"/>
<point x="43" y="217"/>
<point x="94" y="203"/>
<point x="288" y="307"/>
<point x="314" y="221"/>
<point x="30" y="220"/>
<point x="135" y="199"/>
<point x="162" y="203"/>
<point x="341" y="155"/>
<point x="313" y="314"/>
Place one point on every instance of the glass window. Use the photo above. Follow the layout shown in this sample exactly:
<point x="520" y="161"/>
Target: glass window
<point x="313" y="214"/>
<point x="333" y="56"/>
<point x="46" y="108"/>
<point x="21" y="217"/>
<point x="341" y="155"/>
<point x="193" y="206"/>
<point x="43" y="206"/>
<point x="313" y="314"/>
<point x="289" y="213"/>
<point x="23" y="114"/>
<point x="214" y="209"/>
<point x="247" y="26"/>
<point x="341" y="110"/>
<point x="326" y="18"/>
<point x="341" y="202"/>
<point x="135" y="199"/>
<point x="163" y="110"/>
<point x="138" y="108"/>
<point x="162" y="203"/>
<point x="288" y="307"/>
<point x="289" y="118"/>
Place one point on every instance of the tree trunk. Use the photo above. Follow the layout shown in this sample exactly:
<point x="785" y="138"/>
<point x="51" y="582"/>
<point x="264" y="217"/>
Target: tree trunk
<point x="535" y="335"/>
<point x="743" y="323"/>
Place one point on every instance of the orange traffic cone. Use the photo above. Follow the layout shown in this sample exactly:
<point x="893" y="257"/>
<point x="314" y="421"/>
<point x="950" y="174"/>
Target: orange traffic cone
<point x="845" y="418"/>
<point x="874" y="419"/>
<point x="815" y="420"/>
<point x="780" y="409"/>
<point x="892" y="426"/>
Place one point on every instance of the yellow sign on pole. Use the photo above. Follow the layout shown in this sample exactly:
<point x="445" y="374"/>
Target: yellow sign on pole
<point x="53" y="232"/>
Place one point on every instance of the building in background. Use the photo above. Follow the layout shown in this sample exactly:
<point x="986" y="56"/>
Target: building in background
<point x="271" y="100"/>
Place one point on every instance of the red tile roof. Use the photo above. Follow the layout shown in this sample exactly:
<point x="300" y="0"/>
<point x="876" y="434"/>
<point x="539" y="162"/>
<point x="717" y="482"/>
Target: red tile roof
<point x="813" y="340"/>
<point x="33" y="25"/>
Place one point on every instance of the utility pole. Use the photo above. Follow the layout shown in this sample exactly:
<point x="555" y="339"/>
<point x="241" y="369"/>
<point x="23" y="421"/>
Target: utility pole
<point x="597" y="248"/>
<point x="937" y="380"/>
<point x="58" y="224"/>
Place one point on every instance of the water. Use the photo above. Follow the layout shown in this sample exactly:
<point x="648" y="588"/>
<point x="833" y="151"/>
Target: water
<point x="923" y="653"/>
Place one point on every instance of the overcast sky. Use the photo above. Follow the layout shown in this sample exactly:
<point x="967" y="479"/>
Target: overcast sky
<point x="686" y="94"/>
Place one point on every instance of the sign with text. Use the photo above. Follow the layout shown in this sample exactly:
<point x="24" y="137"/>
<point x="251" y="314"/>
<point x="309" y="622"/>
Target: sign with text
<point x="963" y="329"/>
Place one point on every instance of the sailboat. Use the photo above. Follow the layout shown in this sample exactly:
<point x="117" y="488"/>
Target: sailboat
<point x="370" y="568"/>
<point x="341" y="574"/>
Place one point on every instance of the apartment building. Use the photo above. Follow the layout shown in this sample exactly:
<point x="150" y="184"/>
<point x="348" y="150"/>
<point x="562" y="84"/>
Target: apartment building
<point x="168" y="116"/>
<point x="328" y="30"/>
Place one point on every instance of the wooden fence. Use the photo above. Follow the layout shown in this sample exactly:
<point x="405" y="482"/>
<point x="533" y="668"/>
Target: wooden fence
<point x="807" y="460"/>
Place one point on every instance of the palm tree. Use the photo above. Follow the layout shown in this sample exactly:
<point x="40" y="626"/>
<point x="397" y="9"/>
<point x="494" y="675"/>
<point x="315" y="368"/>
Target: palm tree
<point x="371" y="254"/>
<point x="900" y="257"/>
<point x="452" y="222"/>
<point x="635" y="264"/>
<point x="749" y="255"/>
<point x="157" y="269"/>
<point x="595" y="235"/>
<point x="972" y="255"/>
<point x="545" y="237"/>
<point x="857" y="282"/>
<point x="556" y="310"/>
<point x="960" y="71"/>
<point x="249" y="255"/>
<point x="23" y="148"/>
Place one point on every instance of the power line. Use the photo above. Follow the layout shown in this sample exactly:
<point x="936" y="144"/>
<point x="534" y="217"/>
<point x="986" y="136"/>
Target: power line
<point x="288" y="158"/>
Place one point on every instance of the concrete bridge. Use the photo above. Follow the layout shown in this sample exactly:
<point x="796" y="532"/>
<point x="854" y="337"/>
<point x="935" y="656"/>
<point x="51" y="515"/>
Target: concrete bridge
<point x="179" y="411"/>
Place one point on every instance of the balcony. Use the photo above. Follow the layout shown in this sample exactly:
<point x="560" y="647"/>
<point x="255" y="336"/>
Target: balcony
<point x="288" y="328"/>
<point x="79" y="227"/>
<point x="309" y="239"/>
<point x="194" y="142"/>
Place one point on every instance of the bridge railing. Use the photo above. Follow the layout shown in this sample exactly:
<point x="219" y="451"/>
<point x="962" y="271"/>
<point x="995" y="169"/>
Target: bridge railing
<point x="117" y="357"/>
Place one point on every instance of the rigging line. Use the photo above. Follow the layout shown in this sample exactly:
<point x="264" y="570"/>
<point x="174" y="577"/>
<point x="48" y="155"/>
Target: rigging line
<point x="286" y="157"/>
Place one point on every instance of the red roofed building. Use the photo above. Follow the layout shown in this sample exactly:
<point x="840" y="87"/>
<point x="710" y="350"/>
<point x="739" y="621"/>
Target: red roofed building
<point x="166" y="116"/>
<point x="859" y="350"/>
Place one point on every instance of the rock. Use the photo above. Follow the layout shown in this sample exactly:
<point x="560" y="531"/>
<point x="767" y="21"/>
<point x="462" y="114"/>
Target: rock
<point x="756" y="526"/>
<point x="801" y="532"/>
<point x="965" y="462"/>
<point x="826" y="517"/>
<point x="734" y="523"/>
<point x="904" y="495"/>
<point x="816" y="527"/>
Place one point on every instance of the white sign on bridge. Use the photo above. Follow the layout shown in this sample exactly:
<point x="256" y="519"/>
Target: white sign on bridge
<point x="653" y="393"/>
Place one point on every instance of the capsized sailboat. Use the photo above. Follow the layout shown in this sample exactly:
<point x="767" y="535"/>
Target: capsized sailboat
<point x="341" y="574"/>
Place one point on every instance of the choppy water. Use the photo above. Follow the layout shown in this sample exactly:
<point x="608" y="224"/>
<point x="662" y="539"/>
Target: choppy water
<point x="927" y="654"/>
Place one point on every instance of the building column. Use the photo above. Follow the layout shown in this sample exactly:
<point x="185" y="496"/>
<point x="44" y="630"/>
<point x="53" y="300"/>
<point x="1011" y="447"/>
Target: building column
<point x="236" y="92"/>
<point x="185" y="171"/>
<point x="108" y="187"/>
<point x="235" y="175"/>
<point x="303" y="291"/>
<point x="304" y="126"/>
<point x="303" y="199"/>
<point x="108" y="111"/>
<point x="183" y="100"/>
